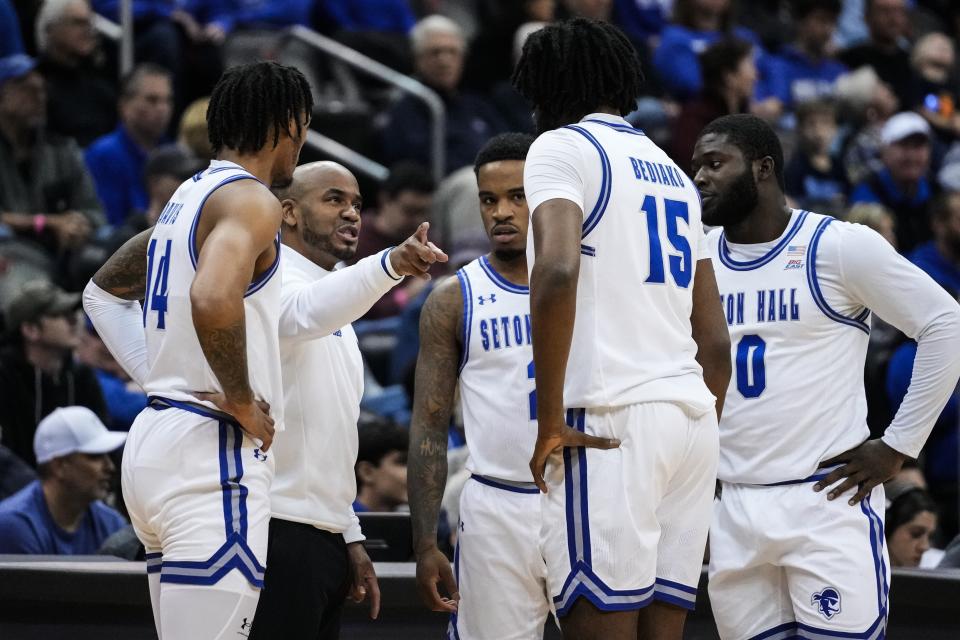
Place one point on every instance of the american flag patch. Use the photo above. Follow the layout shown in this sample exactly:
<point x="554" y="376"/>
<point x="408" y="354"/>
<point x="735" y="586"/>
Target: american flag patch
<point x="796" y="249"/>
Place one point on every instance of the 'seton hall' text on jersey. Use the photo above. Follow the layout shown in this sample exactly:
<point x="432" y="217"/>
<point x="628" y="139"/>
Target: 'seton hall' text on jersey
<point x="773" y="305"/>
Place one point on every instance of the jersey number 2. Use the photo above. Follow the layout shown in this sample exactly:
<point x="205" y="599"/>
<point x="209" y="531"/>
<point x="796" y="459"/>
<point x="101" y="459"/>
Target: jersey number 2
<point x="751" y="374"/>
<point x="680" y="267"/>
<point x="157" y="283"/>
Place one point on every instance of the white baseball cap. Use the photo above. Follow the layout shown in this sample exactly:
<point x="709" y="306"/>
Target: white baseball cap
<point x="73" y="429"/>
<point x="902" y="126"/>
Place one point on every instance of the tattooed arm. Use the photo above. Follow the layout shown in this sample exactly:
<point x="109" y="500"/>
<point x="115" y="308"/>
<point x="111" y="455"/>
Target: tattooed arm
<point x="235" y="242"/>
<point x="124" y="274"/>
<point x="111" y="301"/>
<point x="436" y="381"/>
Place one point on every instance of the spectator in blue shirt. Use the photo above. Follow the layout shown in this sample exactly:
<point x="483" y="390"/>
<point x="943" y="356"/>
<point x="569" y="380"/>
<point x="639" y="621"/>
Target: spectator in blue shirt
<point x="642" y="20"/>
<point x="62" y="513"/>
<point x="117" y="160"/>
<point x="806" y="70"/>
<point x="10" y="40"/>
<point x="696" y="25"/>
<point x="902" y="183"/>
<point x="438" y="49"/>
<point x="383" y="16"/>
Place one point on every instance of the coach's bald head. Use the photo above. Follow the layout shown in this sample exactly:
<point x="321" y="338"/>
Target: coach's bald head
<point x="321" y="213"/>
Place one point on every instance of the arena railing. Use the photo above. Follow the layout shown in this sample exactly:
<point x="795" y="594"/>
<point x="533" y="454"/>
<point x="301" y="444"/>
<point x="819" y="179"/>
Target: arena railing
<point x="348" y="56"/>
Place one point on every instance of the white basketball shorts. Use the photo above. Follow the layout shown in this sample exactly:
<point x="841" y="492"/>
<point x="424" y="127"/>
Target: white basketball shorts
<point x="499" y="568"/>
<point x="198" y="493"/>
<point x="626" y="526"/>
<point x="785" y="562"/>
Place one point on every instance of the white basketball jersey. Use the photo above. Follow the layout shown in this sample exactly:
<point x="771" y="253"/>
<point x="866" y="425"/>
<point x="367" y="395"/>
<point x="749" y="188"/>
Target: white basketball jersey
<point x="178" y="367"/>
<point x="796" y="394"/>
<point x="496" y="374"/>
<point x="641" y="240"/>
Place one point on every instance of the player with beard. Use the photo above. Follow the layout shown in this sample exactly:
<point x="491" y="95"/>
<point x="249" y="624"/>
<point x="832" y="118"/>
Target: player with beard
<point x="797" y="290"/>
<point x="475" y="330"/>
<point x="315" y="556"/>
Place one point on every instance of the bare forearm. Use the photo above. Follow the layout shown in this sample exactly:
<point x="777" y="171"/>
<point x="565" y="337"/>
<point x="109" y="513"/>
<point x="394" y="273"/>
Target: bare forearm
<point x="221" y="330"/>
<point x="124" y="274"/>
<point x="17" y="221"/>
<point x="436" y="381"/>
<point x="553" y="304"/>
<point x="427" y="475"/>
<point x="716" y="372"/>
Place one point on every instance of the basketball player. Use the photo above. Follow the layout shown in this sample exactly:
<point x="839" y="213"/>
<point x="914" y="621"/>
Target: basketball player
<point x="316" y="557"/>
<point x="196" y="470"/>
<point x="627" y="335"/>
<point x="475" y="328"/>
<point x="798" y="289"/>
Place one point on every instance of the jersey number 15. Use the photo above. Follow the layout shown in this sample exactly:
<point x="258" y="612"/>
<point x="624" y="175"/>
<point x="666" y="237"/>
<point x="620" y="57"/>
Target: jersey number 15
<point x="680" y="265"/>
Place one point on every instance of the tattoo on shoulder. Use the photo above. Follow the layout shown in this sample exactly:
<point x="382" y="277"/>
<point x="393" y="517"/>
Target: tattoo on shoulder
<point x="125" y="272"/>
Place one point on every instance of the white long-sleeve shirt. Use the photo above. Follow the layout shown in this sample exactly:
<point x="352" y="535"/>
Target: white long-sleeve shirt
<point x="322" y="383"/>
<point x="322" y="374"/>
<point x="798" y="311"/>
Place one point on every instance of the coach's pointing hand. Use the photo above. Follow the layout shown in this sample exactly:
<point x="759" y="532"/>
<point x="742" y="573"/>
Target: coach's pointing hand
<point x="549" y="440"/>
<point x="865" y="466"/>
<point x="254" y="417"/>
<point x="416" y="255"/>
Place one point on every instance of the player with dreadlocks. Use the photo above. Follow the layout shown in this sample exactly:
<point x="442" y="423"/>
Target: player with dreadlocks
<point x="196" y="470"/>
<point x="630" y="346"/>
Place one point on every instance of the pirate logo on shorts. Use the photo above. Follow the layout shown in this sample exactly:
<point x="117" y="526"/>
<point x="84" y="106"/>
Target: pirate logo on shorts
<point x="827" y="601"/>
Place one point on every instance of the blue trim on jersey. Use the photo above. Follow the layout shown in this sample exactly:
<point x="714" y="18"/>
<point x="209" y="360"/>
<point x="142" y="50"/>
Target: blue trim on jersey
<point x="499" y="280"/>
<point x="814" y="284"/>
<point x="219" y="169"/>
<point x="729" y="262"/>
<point x="876" y="547"/>
<point x="519" y="487"/>
<point x="383" y="263"/>
<point x="581" y="581"/>
<point x="876" y="631"/>
<point x="625" y="128"/>
<point x="675" y="593"/>
<point x="801" y="631"/>
<point x="819" y="475"/>
<point x="192" y="237"/>
<point x="160" y="403"/>
<point x="606" y="182"/>
<point x="264" y="277"/>
<point x="154" y="562"/>
<point x="467" y="292"/>
<point x="587" y="250"/>
<point x="234" y="553"/>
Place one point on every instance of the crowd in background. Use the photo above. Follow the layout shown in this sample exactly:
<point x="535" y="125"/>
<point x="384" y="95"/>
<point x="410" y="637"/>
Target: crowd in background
<point x="865" y="95"/>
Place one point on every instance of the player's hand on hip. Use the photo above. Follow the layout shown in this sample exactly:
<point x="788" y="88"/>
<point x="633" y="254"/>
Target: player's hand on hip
<point x="363" y="578"/>
<point x="253" y="417"/>
<point x="563" y="436"/>
<point x="865" y="466"/>
<point x="433" y="569"/>
<point x="417" y="254"/>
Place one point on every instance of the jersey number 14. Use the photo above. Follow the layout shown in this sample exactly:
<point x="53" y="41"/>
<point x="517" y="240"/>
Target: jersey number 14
<point x="156" y="299"/>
